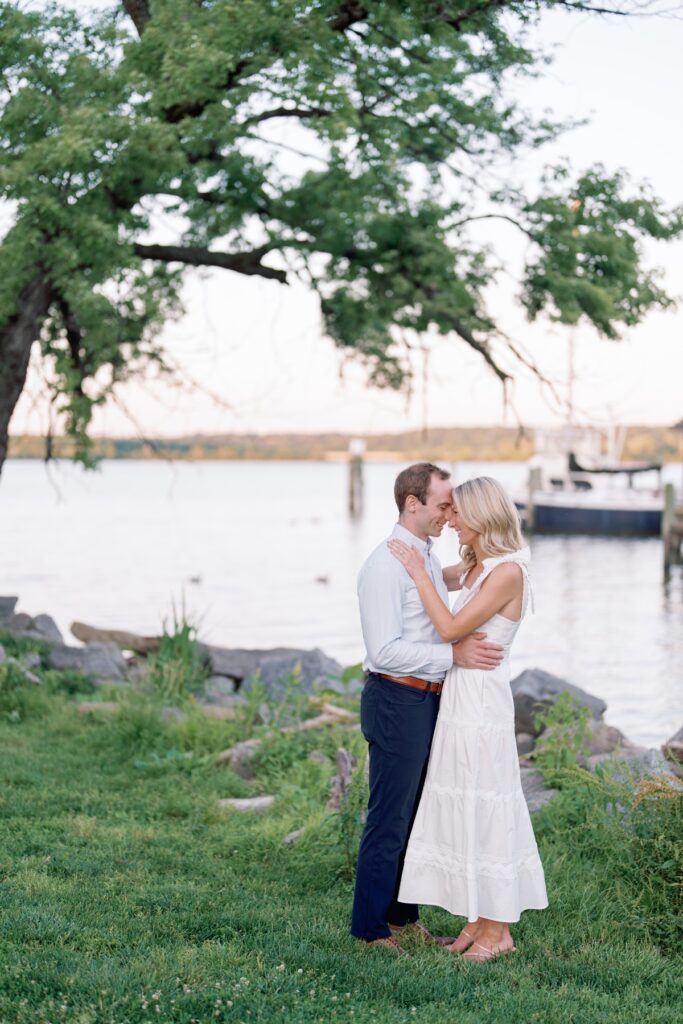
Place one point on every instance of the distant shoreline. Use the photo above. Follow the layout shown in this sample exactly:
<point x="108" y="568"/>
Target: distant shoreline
<point x="452" y="444"/>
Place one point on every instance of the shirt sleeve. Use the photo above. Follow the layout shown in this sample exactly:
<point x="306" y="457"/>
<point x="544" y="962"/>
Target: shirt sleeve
<point x="380" y="599"/>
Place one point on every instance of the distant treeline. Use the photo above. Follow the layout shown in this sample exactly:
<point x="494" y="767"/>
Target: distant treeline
<point x="446" y="443"/>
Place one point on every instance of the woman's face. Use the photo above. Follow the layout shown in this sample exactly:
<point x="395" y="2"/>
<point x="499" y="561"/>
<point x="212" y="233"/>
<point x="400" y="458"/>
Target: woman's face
<point x="465" y="533"/>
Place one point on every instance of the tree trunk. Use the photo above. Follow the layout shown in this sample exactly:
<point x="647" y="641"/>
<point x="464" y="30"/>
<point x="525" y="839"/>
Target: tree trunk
<point x="16" y="338"/>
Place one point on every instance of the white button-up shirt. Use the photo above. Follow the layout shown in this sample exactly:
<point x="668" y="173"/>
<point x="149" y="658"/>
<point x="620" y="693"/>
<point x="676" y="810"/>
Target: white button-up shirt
<point x="400" y="638"/>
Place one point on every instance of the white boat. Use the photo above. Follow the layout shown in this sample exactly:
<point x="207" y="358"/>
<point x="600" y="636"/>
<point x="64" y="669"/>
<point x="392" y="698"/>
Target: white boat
<point x="577" y="484"/>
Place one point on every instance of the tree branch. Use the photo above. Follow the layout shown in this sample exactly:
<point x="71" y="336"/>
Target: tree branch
<point x="492" y="216"/>
<point x="74" y="338"/>
<point x="482" y="348"/>
<point x="350" y="11"/>
<point x="248" y="263"/>
<point x="139" y="13"/>
<point x="457" y="21"/>
<point x="179" y="111"/>
<point x="286" y="112"/>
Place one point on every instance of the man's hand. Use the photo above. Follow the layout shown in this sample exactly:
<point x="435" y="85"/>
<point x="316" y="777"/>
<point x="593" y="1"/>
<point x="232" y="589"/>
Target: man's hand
<point x="475" y="651"/>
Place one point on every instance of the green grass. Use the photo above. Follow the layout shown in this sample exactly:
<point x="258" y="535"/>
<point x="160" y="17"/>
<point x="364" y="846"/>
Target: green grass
<point x="128" y="896"/>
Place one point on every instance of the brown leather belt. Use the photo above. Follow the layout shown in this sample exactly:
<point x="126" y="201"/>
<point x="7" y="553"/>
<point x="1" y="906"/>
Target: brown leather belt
<point x="414" y="682"/>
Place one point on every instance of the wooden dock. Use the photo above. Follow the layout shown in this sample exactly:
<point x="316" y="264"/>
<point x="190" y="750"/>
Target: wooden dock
<point x="672" y="528"/>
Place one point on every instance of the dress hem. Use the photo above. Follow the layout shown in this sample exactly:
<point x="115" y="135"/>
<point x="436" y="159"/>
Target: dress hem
<point x="488" y="917"/>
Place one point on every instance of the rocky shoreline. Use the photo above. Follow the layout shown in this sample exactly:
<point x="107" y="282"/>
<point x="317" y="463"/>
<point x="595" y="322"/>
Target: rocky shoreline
<point x="119" y="658"/>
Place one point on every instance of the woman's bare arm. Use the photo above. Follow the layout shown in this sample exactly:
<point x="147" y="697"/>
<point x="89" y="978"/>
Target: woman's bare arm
<point x="498" y="590"/>
<point x="452" y="575"/>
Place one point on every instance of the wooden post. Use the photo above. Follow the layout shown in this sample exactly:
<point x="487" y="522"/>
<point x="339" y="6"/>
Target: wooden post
<point x="667" y="527"/>
<point x="533" y="485"/>
<point x="356" y="452"/>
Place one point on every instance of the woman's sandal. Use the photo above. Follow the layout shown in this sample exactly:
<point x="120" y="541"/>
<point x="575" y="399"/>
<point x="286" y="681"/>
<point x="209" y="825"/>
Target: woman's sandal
<point x="488" y="954"/>
<point x="457" y="952"/>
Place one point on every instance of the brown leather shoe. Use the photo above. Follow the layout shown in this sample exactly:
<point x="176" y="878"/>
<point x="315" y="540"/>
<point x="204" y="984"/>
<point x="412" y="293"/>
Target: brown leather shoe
<point x="389" y="942"/>
<point x="422" y="932"/>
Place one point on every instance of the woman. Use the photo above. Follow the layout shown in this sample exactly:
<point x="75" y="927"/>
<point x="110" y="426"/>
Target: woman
<point x="472" y="848"/>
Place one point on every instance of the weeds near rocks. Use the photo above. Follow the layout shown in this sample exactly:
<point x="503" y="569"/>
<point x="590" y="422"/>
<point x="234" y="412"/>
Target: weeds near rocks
<point x="633" y="828"/>
<point x="176" y="669"/>
<point x="564" y="738"/>
<point x="16" y="646"/>
<point x="15" y="696"/>
<point x="287" y="704"/>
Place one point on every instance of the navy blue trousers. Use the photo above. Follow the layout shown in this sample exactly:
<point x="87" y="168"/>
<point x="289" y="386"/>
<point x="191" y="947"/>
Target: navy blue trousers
<point x="398" y="723"/>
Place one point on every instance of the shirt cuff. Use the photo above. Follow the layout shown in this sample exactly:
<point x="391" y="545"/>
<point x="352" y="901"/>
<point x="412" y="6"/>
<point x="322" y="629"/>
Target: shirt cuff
<point x="442" y="655"/>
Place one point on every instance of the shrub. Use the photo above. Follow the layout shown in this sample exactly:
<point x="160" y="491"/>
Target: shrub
<point x="177" y="669"/>
<point x="137" y="728"/>
<point x="16" y="646"/>
<point x="563" y="740"/>
<point x="67" y="681"/>
<point x="18" y="696"/>
<point x="632" y="827"/>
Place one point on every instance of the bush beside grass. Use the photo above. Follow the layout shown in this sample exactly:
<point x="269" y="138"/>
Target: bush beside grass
<point x="128" y="895"/>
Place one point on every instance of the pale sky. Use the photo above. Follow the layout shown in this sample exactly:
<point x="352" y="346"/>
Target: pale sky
<point x="256" y="350"/>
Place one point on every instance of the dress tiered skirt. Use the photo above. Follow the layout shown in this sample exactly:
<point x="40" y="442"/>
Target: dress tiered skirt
<point x="472" y="848"/>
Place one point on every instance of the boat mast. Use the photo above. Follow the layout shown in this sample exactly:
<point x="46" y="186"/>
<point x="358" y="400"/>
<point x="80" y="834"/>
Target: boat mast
<point x="571" y="377"/>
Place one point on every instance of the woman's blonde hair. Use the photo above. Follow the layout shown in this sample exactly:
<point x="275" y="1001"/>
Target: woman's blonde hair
<point x="489" y="510"/>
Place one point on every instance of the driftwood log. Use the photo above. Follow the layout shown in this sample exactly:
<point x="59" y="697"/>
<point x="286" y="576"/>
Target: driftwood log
<point x="123" y="639"/>
<point x="239" y="756"/>
<point x="346" y="762"/>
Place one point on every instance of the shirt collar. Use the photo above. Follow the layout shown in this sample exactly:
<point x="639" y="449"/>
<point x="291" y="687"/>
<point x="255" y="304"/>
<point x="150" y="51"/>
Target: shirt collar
<point x="424" y="546"/>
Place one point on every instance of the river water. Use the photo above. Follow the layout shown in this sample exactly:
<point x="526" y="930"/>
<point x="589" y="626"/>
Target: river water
<point x="264" y="554"/>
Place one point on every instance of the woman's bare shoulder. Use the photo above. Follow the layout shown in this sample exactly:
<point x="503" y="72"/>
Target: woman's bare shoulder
<point x="506" y="574"/>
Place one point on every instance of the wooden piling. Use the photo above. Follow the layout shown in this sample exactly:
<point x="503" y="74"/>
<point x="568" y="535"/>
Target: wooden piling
<point x="356" y="452"/>
<point x="533" y="485"/>
<point x="672" y="528"/>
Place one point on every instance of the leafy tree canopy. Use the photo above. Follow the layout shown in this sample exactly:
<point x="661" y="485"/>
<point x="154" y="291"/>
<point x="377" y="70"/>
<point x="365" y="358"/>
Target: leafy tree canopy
<point x="394" y="110"/>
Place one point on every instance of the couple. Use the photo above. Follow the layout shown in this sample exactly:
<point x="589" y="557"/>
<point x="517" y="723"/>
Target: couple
<point x="449" y="828"/>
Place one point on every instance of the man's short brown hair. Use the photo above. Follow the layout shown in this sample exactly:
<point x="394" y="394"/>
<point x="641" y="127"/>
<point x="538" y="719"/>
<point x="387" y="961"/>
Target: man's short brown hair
<point x="416" y="480"/>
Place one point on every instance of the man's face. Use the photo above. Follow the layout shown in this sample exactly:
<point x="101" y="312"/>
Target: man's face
<point x="431" y="517"/>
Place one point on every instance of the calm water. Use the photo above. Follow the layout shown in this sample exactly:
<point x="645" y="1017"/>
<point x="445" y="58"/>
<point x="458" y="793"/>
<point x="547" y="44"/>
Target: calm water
<point x="263" y="554"/>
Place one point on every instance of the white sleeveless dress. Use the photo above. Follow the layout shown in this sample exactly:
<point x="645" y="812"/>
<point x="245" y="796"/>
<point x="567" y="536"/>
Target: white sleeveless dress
<point x="472" y="848"/>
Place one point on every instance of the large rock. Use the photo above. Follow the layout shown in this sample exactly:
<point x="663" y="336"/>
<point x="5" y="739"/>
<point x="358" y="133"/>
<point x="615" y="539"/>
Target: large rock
<point x="47" y="627"/>
<point x="238" y="663"/>
<point x="673" y="748"/>
<point x="42" y="627"/>
<point x="241" y="664"/>
<point x="535" y="790"/>
<point x="605" y="738"/>
<point x="525" y="743"/>
<point x="632" y="764"/>
<point x="220" y="690"/>
<point x="97" y="661"/>
<point x="7" y="606"/>
<point x="315" y="669"/>
<point x="17" y="622"/>
<point x="348" y="689"/>
<point x="535" y="690"/>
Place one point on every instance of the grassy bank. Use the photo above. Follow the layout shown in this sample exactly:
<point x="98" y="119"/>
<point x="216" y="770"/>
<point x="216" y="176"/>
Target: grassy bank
<point x="128" y="895"/>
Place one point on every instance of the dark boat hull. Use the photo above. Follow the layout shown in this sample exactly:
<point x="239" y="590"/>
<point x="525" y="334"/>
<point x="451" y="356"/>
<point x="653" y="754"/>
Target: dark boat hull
<point x="605" y="522"/>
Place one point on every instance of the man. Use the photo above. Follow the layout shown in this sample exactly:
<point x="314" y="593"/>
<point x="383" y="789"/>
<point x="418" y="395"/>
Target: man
<point x="406" y="662"/>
